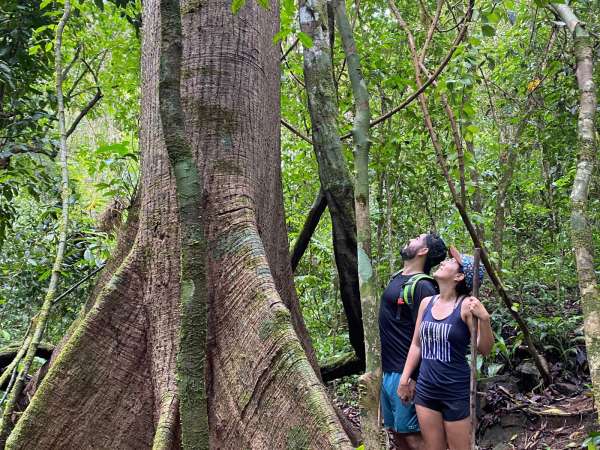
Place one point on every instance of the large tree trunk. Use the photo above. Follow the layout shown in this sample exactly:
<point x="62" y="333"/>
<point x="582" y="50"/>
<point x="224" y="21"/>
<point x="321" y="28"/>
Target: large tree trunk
<point x="581" y="232"/>
<point x="334" y="175"/>
<point x="113" y="384"/>
<point x="191" y="402"/>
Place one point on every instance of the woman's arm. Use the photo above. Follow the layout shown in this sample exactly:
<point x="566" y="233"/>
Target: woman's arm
<point x="485" y="335"/>
<point x="405" y="390"/>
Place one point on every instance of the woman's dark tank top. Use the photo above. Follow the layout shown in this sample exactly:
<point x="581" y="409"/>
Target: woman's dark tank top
<point x="444" y="373"/>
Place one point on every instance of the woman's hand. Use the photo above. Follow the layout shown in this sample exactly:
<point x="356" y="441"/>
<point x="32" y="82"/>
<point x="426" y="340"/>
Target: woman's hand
<point x="477" y="309"/>
<point x="406" y="390"/>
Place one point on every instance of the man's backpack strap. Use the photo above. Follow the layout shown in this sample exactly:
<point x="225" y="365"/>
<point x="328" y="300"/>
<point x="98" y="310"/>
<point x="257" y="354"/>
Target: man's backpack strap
<point x="408" y="291"/>
<point x="394" y="275"/>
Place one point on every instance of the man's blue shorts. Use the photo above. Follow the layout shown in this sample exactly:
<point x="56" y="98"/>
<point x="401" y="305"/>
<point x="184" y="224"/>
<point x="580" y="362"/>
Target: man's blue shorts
<point x="397" y="416"/>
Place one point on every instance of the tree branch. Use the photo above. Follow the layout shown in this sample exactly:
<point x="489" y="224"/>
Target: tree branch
<point x="432" y="28"/>
<point x="431" y="79"/>
<point x="310" y="224"/>
<point x="287" y="52"/>
<point x="296" y="132"/>
<point x="75" y="57"/>
<point x="79" y="283"/>
<point x="84" y="111"/>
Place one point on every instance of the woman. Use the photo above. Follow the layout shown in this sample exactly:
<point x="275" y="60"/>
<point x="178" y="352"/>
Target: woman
<point x="440" y="342"/>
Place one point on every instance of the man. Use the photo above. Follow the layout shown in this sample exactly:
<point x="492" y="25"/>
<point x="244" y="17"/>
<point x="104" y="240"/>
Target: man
<point x="397" y="315"/>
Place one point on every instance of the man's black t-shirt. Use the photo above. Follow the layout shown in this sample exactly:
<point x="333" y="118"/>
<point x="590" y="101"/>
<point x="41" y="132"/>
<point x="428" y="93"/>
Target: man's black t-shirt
<point x="397" y="322"/>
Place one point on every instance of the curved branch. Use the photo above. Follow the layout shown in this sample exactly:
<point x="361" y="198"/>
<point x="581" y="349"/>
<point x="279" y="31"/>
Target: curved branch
<point x="461" y="35"/>
<point x="310" y="224"/>
<point x="84" y="111"/>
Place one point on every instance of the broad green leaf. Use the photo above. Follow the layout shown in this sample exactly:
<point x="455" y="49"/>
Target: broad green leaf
<point x="305" y="39"/>
<point x="488" y="30"/>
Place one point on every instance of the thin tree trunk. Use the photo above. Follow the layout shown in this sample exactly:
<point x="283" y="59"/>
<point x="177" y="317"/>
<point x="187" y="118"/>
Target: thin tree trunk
<point x="477" y="201"/>
<point x="333" y="171"/>
<point x="508" y="158"/>
<point x="118" y="369"/>
<point x="371" y="380"/>
<point x="549" y="198"/>
<point x="191" y="385"/>
<point x="42" y="317"/>
<point x="390" y="232"/>
<point x="379" y="231"/>
<point x="581" y="233"/>
<point x="539" y="359"/>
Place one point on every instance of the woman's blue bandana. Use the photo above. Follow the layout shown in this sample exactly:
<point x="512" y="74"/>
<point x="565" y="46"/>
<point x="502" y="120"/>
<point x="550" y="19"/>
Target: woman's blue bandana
<point x="468" y="270"/>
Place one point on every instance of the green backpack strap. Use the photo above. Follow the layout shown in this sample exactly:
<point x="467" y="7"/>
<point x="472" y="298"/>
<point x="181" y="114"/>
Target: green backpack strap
<point x="408" y="292"/>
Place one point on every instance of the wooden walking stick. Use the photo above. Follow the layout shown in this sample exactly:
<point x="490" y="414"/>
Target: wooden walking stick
<point x="474" y="328"/>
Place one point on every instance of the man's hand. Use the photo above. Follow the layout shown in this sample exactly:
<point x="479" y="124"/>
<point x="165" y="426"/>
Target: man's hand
<point x="406" y="390"/>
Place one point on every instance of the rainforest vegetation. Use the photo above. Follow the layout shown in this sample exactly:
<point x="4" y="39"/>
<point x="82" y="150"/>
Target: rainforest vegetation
<point x="202" y="201"/>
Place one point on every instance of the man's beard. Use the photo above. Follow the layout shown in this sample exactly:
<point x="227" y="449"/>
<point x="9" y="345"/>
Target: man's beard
<point x="408" y="253"/>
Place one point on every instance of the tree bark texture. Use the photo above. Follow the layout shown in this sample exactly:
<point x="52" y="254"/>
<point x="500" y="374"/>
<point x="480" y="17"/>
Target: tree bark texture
<point x="369" y="383"/>
<point x="334" y="175"/>
<point x="114" y="383"/>
<point x="191" y="357"/>
<point x="581" y="232"/>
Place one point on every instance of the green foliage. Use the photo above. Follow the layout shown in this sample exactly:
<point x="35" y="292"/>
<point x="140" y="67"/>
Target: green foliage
<point x="25" y="94"/>
<point x="29" y="253"/>
<point x="103" y="162"/>
<point x="488" y="83"/>
<point x="592" y="442"/>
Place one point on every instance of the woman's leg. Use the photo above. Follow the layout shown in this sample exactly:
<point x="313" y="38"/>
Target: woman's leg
<point x="458" y="434"/>
<point x="432" y="428"/>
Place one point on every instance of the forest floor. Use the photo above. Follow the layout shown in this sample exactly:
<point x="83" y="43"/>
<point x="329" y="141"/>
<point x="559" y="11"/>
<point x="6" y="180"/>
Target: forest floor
<point x="559" y="417"/>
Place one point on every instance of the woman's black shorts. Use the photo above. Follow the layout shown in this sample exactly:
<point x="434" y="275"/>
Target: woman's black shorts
<point x="452" y="410"/>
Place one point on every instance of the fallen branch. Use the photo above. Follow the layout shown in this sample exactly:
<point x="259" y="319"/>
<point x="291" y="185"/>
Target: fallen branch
<point x="8" y="354"/>
<point x="345" y="365"/>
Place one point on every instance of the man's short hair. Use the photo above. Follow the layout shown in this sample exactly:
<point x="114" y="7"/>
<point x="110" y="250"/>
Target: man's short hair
<point x="437" y="251"/>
